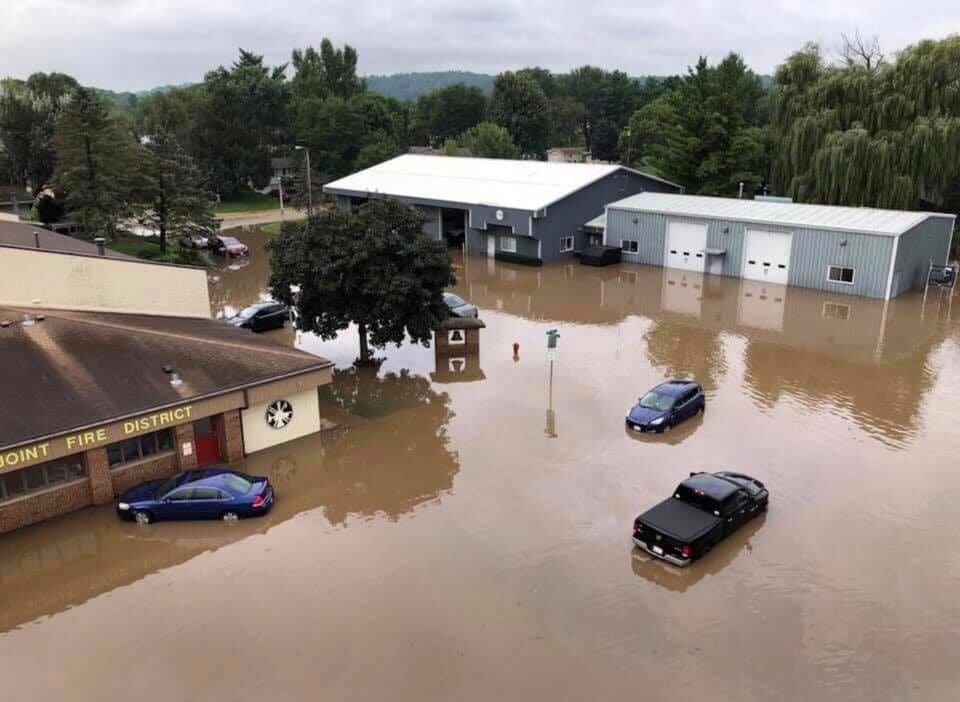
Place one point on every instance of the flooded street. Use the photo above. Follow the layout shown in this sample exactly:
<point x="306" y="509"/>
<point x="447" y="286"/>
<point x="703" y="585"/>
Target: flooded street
<point x="465" y="532"/>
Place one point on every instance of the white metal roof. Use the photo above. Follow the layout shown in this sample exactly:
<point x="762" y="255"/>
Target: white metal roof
<point x="513" y="184"/>
<point x="847" y="219"/>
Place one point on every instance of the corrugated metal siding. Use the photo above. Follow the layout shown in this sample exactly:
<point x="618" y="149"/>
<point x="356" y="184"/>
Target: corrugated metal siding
<point x="730" y="240"/>
<point x="567" y="217"/>
<point x="812" y="251"/>
<point x="928" y="240"/>
<point x="648" y="229"/>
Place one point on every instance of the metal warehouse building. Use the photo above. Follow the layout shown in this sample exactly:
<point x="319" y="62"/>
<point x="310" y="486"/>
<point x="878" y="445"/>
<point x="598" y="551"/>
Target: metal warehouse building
<point x="533" y="210"/>
<point x="849" y="250"/>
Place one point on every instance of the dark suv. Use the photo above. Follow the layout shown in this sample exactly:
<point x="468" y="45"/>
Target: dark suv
<point x="262" y="316"/>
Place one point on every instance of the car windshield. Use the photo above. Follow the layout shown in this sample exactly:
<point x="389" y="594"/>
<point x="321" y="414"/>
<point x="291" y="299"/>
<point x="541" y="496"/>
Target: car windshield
<point x="656" y="401"/>
<point x="229" y="240"/>
<point x="238" y="483"/>
<point x="248" y="312"/>
<point x="454" y="301"/>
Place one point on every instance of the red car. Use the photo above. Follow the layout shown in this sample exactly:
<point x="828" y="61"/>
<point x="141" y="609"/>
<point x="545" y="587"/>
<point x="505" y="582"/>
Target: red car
<point x="230" y="246"/>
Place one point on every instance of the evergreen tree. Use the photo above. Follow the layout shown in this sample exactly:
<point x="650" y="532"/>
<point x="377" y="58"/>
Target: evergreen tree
<point x="97" y="163"/>
<point x="519" y="105"/>
<point x="172" y="199"/>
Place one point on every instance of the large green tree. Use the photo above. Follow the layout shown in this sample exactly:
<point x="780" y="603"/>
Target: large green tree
<point x="448" y="112"/>
<point x="345" y="135"/>
<point x="608" y="98"/>
<point x="880" y="135"/>
<point x="241" y="120"/>
<point x="328" y="73"/>
<point x="172" y="197"/>
<point x="98" y="162"/>
<point x="519" y="105"/>
<point x="489" y="140"/>
<point x="707" y="133"/>
<point x="377" y="269"/>
<point x="28" y="115"/>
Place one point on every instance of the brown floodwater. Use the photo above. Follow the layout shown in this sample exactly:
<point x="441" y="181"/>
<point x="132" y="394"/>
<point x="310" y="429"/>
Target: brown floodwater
<point x="465" y="532"/>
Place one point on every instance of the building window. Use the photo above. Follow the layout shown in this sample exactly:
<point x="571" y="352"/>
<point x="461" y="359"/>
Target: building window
<point x="139" y="447"/>
<point x="839" y="274"/>
<point x="566" y="244"/>
<point x="630" y="246"/>
<point x="39" y="477"/>
<point x="508" y="244"/>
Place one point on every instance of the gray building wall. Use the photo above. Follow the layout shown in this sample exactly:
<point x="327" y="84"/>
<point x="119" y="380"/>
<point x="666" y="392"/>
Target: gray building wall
<point x="812" y="250"/>
<point x="929" y="240"/>
<point x="567" y="217"/>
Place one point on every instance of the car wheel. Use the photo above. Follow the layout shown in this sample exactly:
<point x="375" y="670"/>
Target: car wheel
<point x="230" y="516"/>
<point x="667" y="427"/>
<point x="703" y="409"/>
<point x="141" y="517"/>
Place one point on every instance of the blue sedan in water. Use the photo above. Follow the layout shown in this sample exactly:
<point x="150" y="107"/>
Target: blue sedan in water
<point x="210" y="493"/>
<point x="667" y="405"/>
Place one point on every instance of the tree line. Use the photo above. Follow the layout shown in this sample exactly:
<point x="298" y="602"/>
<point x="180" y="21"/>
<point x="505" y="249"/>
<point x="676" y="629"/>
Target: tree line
<point x="862" y="130"/>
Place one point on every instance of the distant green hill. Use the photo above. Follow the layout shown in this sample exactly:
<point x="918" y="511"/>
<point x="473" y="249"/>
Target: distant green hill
<point x="409" y="86"/>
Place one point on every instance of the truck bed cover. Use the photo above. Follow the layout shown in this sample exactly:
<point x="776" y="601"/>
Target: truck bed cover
<point x="678" y="520"/>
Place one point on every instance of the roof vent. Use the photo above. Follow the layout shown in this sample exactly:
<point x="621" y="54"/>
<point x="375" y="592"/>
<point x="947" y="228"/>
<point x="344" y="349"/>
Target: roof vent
<point x="28" y="321"/>
<point x="4" y="323"/>
<point x="100" y="241"/>
<point x="175" y="380"/>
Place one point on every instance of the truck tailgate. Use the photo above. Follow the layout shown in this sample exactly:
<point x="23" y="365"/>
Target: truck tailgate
<point x="678" y="520"/>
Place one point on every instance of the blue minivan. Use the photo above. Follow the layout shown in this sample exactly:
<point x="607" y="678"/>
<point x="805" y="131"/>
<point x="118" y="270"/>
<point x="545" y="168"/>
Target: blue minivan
<point x="666" y="405"/>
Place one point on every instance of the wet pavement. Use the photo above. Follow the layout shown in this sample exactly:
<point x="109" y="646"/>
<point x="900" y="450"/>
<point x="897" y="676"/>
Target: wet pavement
<point x="465" y="534"/>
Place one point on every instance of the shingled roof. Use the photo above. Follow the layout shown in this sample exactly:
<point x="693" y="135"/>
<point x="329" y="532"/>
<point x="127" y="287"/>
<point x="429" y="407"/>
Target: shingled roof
<point x="33" y="236"/>
<point x="79" y="369"/>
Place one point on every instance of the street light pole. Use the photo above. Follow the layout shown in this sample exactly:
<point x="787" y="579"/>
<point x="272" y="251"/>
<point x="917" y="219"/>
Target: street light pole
<point x="309" y="182"/>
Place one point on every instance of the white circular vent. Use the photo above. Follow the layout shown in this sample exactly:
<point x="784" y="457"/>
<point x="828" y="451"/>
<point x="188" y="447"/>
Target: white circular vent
<point x="499" y="215"/>
<point x="279" y="414"/>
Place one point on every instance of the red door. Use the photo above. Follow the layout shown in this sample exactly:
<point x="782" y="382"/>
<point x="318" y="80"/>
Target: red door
<point x="208" y="440"/>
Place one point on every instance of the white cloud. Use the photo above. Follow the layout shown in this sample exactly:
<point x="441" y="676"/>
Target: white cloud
<point x="135" y="44"/>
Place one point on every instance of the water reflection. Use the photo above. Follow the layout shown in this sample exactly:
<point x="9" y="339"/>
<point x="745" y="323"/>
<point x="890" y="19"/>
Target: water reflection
<point x="682" y="579"/>
<point x="677" y="435"/>
<point x="401" y="460"/>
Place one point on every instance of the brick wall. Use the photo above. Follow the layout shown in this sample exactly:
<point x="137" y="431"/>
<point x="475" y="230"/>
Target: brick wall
<point x="183" y="434"/>
<point x="161" y="467"/>
<point x="98" y="471"/>
<point x="232" y="446"/>
<point x="44" y="505"/>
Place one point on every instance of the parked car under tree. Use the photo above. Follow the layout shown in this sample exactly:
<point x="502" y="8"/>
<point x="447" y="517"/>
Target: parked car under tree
<point x="261" y="316"/>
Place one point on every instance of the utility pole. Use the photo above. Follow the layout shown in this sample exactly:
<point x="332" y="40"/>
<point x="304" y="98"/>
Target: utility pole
<point x="281" y="198"/>
<point x="309" y="183"/>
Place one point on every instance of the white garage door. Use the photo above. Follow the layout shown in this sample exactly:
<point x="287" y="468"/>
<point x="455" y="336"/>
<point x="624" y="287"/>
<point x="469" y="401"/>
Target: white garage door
<point x="767" y="256"/>
<point x="685" y="245"/>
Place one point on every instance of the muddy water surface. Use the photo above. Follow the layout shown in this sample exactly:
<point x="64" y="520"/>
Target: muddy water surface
<point x="465" y="533"/>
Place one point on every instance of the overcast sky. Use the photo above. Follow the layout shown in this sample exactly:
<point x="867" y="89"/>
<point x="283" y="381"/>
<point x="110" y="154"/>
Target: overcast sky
<point x="139" y="44"/>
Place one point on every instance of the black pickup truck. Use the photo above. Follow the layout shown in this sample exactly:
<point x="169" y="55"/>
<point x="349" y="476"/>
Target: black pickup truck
<point x="704" y="510"/>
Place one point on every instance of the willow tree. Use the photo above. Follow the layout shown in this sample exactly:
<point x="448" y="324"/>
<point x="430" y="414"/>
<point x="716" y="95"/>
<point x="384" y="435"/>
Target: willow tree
<point x="881" y="136"/>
